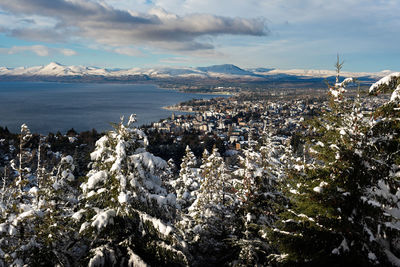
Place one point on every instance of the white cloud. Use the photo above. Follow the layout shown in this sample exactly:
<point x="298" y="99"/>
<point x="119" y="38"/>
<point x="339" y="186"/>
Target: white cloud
<point x="128" y="51"/>
<point x="68" y="52"/>
<point x="39" y="50"/>
<point x="107" y="25"/>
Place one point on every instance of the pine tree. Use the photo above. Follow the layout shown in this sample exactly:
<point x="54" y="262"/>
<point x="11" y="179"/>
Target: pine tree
<point x="19" y="207"/>
<point x="125" y="211"/>
<point x="58" y="198"/>
<point x="188" y="181"/>
<point x="209" y="218"/>
<point x="258" y="196"/>
<point x="35" y="217"/>
<point x="342" y="200"/>
<point x="25" y="156"/>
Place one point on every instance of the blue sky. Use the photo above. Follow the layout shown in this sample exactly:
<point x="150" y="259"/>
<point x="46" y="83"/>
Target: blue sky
<point x="305" y="34"/>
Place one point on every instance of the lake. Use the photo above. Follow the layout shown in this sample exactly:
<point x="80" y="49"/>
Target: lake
<point x="51" y="107"/>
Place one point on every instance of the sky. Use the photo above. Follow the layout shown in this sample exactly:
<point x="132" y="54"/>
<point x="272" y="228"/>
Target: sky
<point x="284" y="34"/>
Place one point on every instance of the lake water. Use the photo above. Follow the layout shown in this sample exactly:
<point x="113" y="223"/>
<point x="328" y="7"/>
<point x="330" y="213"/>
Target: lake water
<point x="51" y="107"/>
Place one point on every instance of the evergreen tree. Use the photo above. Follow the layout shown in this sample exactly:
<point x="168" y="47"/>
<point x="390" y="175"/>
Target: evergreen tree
<point x="125" y="211"/>
<point x="35" y="217"/>
<point x="258" y="197"/>
<point x="208" y="223"/>
<point x="24" y="160"/>
<point x="343" y="200"/>
<point x="58" y="200"/>
<point x="188" y="181"/>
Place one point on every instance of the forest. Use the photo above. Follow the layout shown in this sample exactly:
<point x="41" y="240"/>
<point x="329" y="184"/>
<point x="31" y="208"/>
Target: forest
<point x="330" y="197"/>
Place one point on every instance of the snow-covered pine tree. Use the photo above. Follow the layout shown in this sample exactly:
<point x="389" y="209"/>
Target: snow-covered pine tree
<point x="188" y="181"/>
<point x="57" y="242"/>
<point x="343" y="201"/>
<point x="21" y="214"/>
<point x="210" y="216"/>
<point x="35" y="218"/>
<point x="125" y="211"/>
<point x="23" y="164"/>
<point x="170" y="173"/>
<point x="384" y="137"/>
<point x="258" y="196"/>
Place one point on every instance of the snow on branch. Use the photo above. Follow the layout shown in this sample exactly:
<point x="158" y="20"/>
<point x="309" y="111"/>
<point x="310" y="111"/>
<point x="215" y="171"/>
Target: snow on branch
<point x="387" y="82"/>
<point x="340" y="88"/>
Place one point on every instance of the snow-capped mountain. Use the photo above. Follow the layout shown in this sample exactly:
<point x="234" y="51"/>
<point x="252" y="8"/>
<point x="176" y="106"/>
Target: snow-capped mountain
<point x="321" y="73"/>
<point x="226" y="71"/>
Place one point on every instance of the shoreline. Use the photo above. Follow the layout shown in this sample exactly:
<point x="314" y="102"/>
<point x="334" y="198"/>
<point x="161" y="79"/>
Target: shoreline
<point x="170" y="108"/>
<point x="176" y="109"/>
<point x="222" y="93"/>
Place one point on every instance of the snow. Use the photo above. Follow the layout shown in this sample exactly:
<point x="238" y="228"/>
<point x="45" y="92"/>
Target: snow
<point x="301" y="215"/>
<point x="395" y="97"/>
<point x="249" y="217"/>
<point x="100" y="148"/>
<point x="319" y="143"/>
<point x="135" y="260"/>
<point x="162" y="200"/>
<point x="132" y="119"/>
<point x="347" y="81"/>
<point x="99" y="257"/>
<point x="343" y="247"/>
<point x="25" y="214"/>
<point x="34" y="190"/>
<point x="84" y="226"/>
<point x="369" y="232"/>
<point x="101" y="190"/>
<point x="103" y="218"/>
<point x="122" y="198"/>
<point x="94" y="179"/>
<point x="392" y="258"/>
<point x="66" y="174"/>
<point x="293" y="191"/>
<point x="97" y="260"/>
<point x="120" y="156"/>
<point x="78" y="215"/>
<point x="320" y="188"/>
<point x="158" y="224"/>
<point x="12" y="230"/>
<point x="334" y="146"/>
<point x="90" y="194"/>
<point x="68" y="160"/>
<point x="18" y="263"/>
<point x="372" y="202"/>
<point x="372" y="256"/>
<point x="58" y="70"/>
<point x="286" y="232"/>
<point x="3" y="227"/>
<point x="149" y="161"/>
<point x="384" y="81"/>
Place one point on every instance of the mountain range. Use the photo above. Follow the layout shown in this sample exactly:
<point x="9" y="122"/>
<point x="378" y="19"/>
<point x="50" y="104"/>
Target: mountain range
<point x="226" y="71"/>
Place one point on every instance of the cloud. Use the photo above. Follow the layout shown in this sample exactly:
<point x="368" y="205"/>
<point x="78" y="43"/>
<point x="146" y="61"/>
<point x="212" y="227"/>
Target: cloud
<point x="67" y="52"/>
<point x="40" y="35"/>
<point x="128" y="51"/>
<point x="109" y="26"/>
<point x="39" y="50"/>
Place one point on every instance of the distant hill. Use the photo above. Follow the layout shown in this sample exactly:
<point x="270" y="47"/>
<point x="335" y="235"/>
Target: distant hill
<point x="226" y="72"/>
<point x="226" y="69"/>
